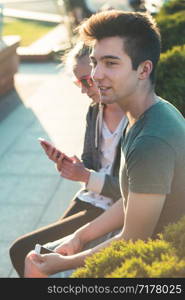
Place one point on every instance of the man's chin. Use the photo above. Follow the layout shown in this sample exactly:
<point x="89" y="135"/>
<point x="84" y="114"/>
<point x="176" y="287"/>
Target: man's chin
<point x="95" y="99"/>
<point x="107" y="100"/>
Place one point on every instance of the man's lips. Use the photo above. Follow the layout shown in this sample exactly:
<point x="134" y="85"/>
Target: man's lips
<point x="103" y="88"/>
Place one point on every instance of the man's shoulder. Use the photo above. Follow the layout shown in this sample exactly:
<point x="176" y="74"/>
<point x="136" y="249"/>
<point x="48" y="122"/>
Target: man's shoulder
<point x="165" y="122"/>
<point x="161" y="124"/>
<point x="164" y="111"/>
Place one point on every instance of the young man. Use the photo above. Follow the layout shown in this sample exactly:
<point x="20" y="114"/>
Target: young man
<point x="126" y="49"/>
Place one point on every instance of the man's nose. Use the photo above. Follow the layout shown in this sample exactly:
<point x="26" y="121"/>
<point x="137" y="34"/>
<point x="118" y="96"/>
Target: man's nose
<point x="83" y="89"/>
<point x="97" y="73"/>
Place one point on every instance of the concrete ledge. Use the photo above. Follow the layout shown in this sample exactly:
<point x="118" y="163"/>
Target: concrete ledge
<point x="43" y="49"/>
<point x="31" y="15"/>
<point x="34" y="54"/>
<point x="9" y="62"/>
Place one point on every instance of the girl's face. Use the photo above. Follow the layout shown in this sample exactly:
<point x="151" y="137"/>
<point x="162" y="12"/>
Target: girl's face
<point x="82" y="72"/>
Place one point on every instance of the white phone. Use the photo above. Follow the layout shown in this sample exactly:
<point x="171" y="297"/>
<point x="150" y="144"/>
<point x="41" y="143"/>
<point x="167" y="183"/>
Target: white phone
<point x="39" y="249"/>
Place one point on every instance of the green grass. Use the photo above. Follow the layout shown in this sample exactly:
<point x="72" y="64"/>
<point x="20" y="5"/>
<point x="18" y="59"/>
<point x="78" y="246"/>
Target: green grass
<point x="29" y="31"/>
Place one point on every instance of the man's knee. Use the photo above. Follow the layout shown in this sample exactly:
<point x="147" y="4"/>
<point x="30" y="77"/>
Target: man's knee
<point x="28" y="265"/>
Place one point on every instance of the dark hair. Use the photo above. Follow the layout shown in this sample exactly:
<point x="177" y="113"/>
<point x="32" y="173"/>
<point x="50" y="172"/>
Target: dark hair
<point x="140" y="33"/>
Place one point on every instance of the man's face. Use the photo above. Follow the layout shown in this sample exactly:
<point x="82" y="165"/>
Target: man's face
<point x="112" y="71"/>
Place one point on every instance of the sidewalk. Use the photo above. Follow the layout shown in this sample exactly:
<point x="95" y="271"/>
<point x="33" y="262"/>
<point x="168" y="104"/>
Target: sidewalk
<point x="45" y="104"/>
<point x="32" y="15"/>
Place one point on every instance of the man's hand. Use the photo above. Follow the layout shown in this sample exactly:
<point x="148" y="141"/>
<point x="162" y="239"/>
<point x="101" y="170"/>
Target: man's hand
<point x="73" y="170"/>
<point x="43" y="265"/>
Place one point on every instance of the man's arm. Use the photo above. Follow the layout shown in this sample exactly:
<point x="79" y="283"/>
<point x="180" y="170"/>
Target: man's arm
<point x="111" y="220"/>
<point x="44" y="265"/>
<point x="142" y="214"/>
<point x="147" y="175"/>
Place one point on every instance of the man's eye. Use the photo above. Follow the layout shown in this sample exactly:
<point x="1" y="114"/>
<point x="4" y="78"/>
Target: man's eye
<point x="110" y="63"/>
<point x="93" y="63"/>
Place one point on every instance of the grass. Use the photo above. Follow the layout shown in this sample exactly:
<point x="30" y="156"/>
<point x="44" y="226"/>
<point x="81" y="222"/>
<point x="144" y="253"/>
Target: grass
<point x="28" y="30"/>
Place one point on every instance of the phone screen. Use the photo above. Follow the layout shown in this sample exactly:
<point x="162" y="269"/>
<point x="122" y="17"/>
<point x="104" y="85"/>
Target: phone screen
<point x="44" y="250"/>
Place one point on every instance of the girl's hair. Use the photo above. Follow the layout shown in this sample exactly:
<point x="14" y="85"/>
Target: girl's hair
<point x="77" y="52"/>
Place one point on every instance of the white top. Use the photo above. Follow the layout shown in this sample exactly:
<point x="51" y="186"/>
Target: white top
<point x="96" y="180"/>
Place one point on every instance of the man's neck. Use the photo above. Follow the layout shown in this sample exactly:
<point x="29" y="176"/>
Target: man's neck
<point x="138" y="105"/>
<point x="112" y="116"/>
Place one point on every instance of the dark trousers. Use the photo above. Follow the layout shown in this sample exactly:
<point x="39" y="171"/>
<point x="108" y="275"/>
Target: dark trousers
<point x="78" y="214"/>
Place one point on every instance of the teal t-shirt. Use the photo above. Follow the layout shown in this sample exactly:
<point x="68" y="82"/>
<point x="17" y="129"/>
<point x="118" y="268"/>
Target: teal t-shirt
<point x="153" y="159"/>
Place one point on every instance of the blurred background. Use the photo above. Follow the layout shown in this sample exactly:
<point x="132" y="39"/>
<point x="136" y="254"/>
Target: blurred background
<point x="39" y="99"/>
<point x="24" y="22"/>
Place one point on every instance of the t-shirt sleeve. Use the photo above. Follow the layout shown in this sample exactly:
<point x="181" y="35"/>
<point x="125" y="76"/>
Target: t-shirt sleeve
<point x="150" y="166"/>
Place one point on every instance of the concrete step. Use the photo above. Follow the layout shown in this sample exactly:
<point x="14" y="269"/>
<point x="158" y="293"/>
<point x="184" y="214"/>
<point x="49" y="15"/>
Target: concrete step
<point x="43" y="49"/>
<point x="32" y="15"/>
<point x="9" y="62"/>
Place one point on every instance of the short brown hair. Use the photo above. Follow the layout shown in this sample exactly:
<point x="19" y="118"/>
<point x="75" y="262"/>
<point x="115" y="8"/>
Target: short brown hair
<point x="139" y="31"/>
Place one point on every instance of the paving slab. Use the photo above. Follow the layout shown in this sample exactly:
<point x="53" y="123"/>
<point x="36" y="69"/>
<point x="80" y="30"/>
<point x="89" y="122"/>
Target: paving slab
<point x="18" y="219"/>
<point x="33" y="194"/>
<point x="64" y="193"/>
<point x="6" y="267"/>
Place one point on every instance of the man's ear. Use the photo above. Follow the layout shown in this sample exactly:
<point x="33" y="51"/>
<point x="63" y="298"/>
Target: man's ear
<point x="145" y="69"/>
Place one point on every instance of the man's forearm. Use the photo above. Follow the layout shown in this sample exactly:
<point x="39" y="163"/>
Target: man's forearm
<point x="109" y="221"/>
<point x="77" y="260"/>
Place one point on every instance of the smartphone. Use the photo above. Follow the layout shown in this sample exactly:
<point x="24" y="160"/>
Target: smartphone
<point x="45" y="250"/>
<point x="39" y="249"/>
<point x="46" y="145"/>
